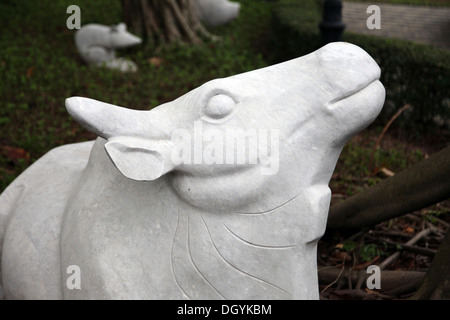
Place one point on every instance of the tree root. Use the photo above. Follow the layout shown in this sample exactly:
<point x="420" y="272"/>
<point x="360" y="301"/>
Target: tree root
<point x="163" y="22"/>
<point x="436" y="283"/>
<point x="393" y="283"/>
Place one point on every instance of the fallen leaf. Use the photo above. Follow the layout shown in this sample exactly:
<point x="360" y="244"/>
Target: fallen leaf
<point x="156" y="61"/>
<point x="370" y="291"/>
<point x="30" y="72"/>
<point x="14" y="153"/>
<point x="408" y="229"/>
<point x="387" y="172"/>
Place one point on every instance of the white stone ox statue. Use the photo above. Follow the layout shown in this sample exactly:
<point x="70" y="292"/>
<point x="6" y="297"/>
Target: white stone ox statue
<point x="216" y="12"/>
<point x="220" y="194"/>
<point x="97" y="45"/>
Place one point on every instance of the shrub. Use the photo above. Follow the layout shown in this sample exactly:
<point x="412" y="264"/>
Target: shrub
<point x="412" y="73"/>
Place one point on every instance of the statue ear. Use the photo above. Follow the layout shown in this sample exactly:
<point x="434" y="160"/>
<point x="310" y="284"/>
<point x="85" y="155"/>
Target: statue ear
<point x="134" y="160"/>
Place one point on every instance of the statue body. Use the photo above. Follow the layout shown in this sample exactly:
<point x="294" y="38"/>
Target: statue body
<point x="216" y="12"/>
<point x="97" y="45"/>
<point x="165" y="204"/>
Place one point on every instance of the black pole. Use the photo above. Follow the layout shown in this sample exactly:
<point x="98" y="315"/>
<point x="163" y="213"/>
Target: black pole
<point x="332" y="26"/>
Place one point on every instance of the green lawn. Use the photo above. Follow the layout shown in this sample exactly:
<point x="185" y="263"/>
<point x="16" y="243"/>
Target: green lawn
<point x="40" y="68"/>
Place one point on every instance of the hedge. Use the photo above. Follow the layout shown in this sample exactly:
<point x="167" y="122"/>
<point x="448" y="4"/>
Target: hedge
<point x="412" y="73"/>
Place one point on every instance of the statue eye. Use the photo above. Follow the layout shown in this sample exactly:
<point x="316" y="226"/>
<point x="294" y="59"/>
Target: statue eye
<point x="219" y="106"/>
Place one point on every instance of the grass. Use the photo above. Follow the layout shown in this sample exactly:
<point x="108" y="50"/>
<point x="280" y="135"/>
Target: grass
<point x="363" y="163"/>
<point x="40" y="68"/>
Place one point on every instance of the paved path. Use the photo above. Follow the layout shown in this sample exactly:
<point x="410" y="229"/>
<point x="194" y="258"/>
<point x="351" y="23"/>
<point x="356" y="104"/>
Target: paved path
<point x="429" y="25"/>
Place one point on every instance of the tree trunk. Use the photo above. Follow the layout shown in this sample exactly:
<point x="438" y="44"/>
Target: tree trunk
<point x="415" y="188"/>
<point x="160" y="22"/>
<point x="436" y="283"/>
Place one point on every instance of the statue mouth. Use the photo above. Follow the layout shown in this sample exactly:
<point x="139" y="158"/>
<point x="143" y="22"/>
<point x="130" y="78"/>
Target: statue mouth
<point x="367" y="86"/>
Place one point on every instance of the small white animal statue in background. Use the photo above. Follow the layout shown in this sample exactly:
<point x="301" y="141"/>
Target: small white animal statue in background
<point x="97" y="45"/>
<point x="220" y="194"/>
<point x="216" y="12"/>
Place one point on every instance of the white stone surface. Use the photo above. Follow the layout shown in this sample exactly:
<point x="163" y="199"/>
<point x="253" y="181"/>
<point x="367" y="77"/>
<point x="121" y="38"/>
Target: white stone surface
<point x="97" y="45"/>
<point x="217" y="12"/>
<point x="142" y="220"/>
